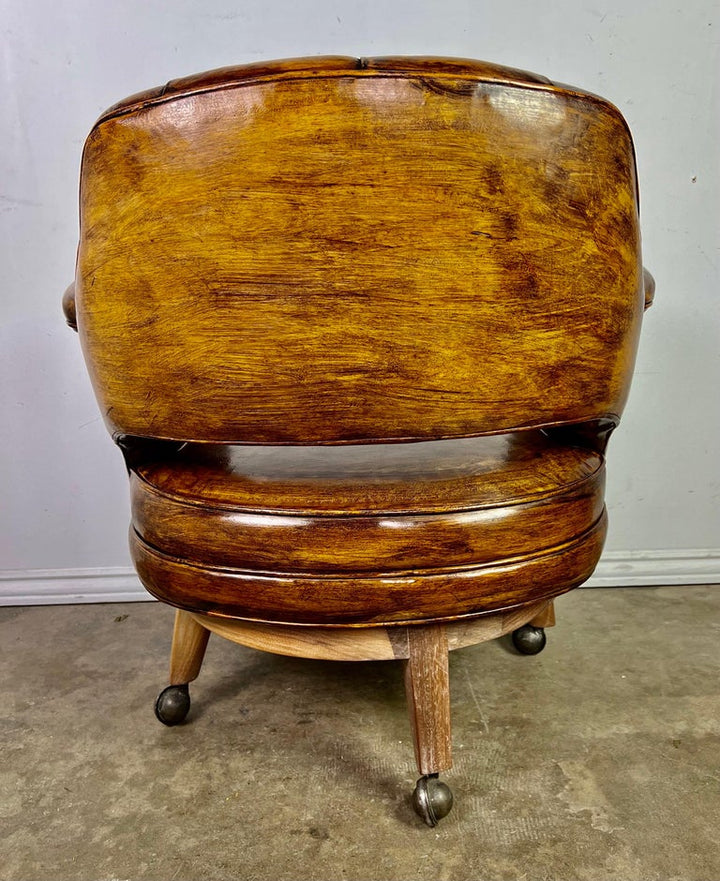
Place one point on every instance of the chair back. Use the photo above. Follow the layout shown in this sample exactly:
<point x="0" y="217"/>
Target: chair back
<point x="340" y="250"/>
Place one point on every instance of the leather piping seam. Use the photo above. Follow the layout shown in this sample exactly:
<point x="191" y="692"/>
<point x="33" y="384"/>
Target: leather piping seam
<point x="403" y="622"/>
<point x="372" y="441"/>
<point x="550" y="88"/>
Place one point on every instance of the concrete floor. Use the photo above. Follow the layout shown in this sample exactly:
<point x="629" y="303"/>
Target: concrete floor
<point x="598" y="759"/>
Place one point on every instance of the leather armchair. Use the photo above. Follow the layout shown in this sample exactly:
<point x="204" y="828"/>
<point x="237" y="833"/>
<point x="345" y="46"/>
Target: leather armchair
<point x="362" y="329"/>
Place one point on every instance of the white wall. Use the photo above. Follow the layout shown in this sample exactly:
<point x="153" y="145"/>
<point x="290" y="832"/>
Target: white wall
<point x="64" y="496"/>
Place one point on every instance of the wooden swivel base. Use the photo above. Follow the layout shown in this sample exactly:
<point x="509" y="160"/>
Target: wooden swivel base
<point x="423" y="648"/>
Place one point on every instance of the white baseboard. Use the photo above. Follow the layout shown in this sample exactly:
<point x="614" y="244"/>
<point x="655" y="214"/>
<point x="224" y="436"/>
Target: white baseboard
<point x="657" y="568"/>
<point x="37" y="587"/>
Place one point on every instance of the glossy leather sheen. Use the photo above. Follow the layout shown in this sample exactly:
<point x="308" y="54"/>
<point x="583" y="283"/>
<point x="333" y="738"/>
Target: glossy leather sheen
<point x="342" y="250"/>
<point x="338" y="65"/>
<point x="365" y="534"/>
<point x="356" y="251"/>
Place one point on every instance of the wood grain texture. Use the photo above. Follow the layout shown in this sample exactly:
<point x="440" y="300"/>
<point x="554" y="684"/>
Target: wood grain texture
<point x="546" y="618"/>
<point x="189" y="642"/>
<point x="427" y="689"/>
<point x="320" y="643"/>
<point x="472" y="631"/>
<point x="360" y="643"/>
<point x="327" y="251"/>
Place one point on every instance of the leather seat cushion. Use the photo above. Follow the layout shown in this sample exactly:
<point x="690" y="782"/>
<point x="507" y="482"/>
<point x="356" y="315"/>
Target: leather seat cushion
<point x="351" y="513"/>
<point x="381" y="508"/>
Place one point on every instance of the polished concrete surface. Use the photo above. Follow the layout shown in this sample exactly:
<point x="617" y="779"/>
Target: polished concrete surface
<point x="598" y="759"/>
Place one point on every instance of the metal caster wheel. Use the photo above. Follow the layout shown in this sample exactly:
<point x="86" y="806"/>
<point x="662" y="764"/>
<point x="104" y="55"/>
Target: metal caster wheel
<point x="432" y="799"/>
<point x="172" y="704"/>
<point x="529" y="640"/>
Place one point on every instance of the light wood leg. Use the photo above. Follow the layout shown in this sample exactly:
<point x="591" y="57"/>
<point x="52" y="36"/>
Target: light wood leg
<point x="427" y="687"/>
<point x="546" y="618"/>
<point x="189" y="642"/>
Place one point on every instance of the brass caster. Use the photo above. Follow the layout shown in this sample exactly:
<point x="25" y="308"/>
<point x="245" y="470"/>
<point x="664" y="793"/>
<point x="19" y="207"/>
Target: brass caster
<point x="432" y="799"/>
<point x="173" y="704"/>
<point x="529" y="640"/>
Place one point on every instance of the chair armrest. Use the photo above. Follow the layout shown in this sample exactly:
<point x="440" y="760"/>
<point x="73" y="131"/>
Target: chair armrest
<point x="649" y="283"/>
<point x="68" y="304"/>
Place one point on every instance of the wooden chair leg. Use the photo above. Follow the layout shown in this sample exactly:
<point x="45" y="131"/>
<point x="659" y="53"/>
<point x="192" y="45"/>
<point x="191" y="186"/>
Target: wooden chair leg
<point x="546" y="618"/>
<point x="427" y="687"/>
<point x="189" y="642"/>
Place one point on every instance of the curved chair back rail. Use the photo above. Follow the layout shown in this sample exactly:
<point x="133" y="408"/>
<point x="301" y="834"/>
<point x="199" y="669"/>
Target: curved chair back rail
<point x="333" y="250"/>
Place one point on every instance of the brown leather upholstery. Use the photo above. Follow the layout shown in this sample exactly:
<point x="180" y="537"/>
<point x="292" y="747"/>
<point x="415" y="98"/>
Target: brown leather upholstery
<point x="287" y="266"/>
<point x="323" y="251"/>
<point x="369" y="530"/>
